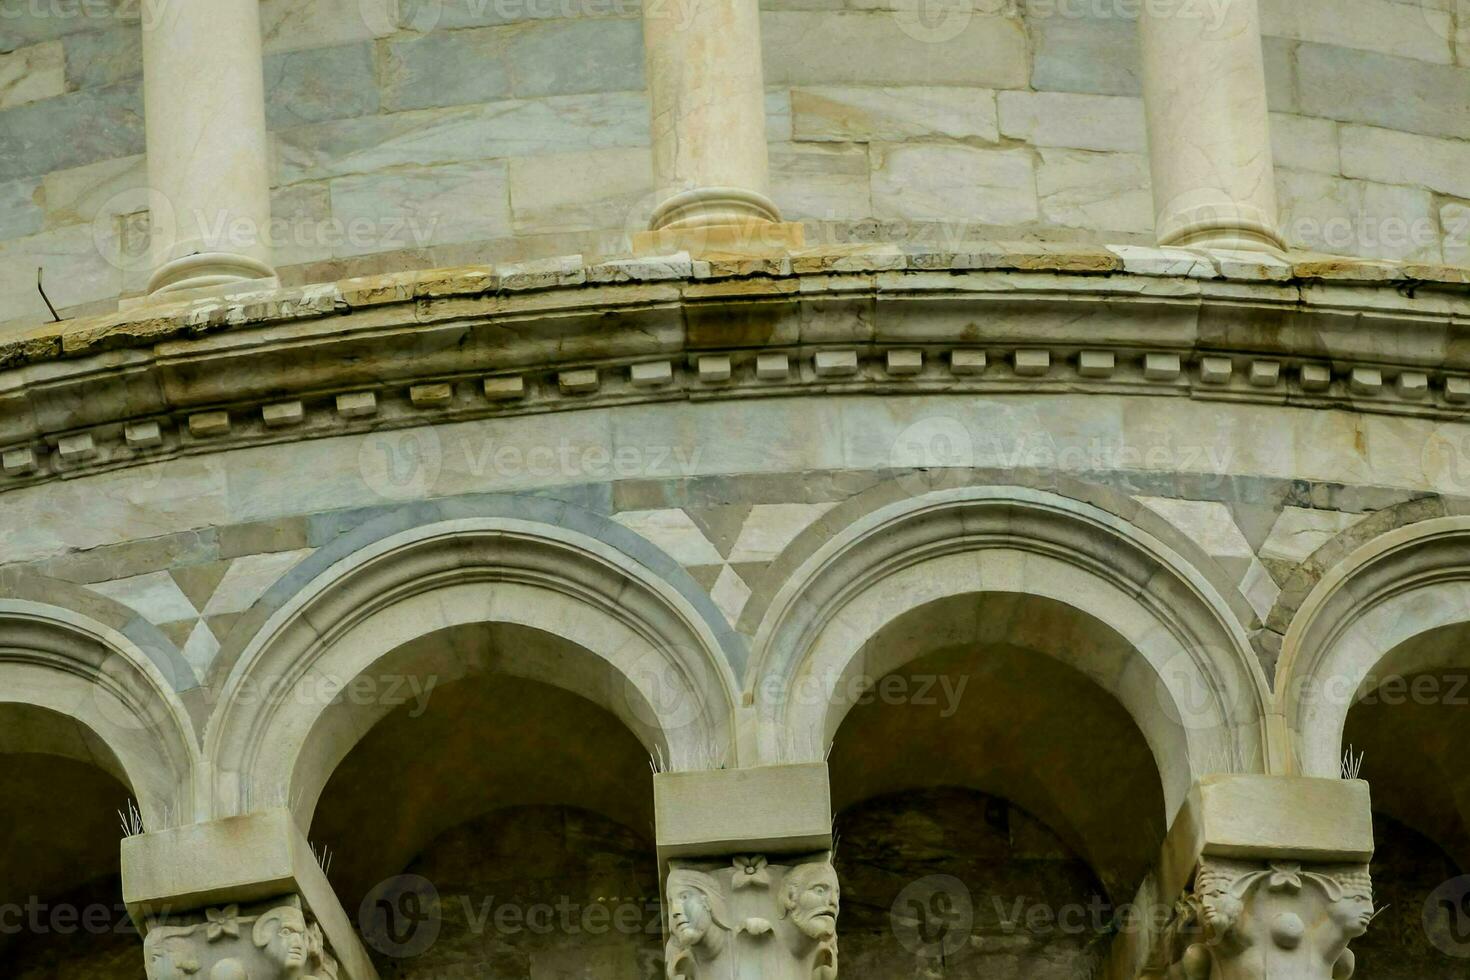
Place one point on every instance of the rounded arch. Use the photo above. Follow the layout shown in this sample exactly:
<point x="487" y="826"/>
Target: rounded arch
<point x="87" y="692"/>
<point x="1188" y="679"/>
<point x="636" y="647"/>
<point x="1362" y="622"/>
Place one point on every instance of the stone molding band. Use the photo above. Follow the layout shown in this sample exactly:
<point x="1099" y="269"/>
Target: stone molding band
<point x="212" y="374"/>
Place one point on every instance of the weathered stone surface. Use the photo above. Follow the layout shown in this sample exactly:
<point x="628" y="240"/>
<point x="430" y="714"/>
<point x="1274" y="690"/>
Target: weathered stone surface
<point x="98" y="58"/>
<point x="99" y="123"/>
<point x="1384" y="26"/>
<point x="440" y="136"/>
<point x="429" y="70"/>
<point x="1084" y="122"/>
<point x="1350" y="217"/>
<point x="816" y="48"/>
<point x="1304" y="143"/>
<point x="302" y="223"/>
<point x="609" y="57"/>
<point x="319" y="84"/>
<point x="1095" y="190"/>
<point x="286" y="25"/>
<point x="1348" y="85"/>
<point x="1394" y="157"/>
<point x="581" y="191"/>
<point x="1097" y="55"/>
<point x="846" y="113"/>
<point x="464" y="202"/>
<point x="933" y="182"/>
<point x="821" y="181"/>
<point x="32" y="73"/>
<point x="20" y="210"/>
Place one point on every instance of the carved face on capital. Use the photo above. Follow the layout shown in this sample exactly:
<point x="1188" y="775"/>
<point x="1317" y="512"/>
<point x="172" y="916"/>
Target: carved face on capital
<point x="695" y="906"/>
<point x="811" y="899"/>
<point x="689" y="919"/>
<point x="282" y="934"/>
<point x="1220" y="907"/>
<point x="168" y="957"/>
<point x="1353" y="910"/>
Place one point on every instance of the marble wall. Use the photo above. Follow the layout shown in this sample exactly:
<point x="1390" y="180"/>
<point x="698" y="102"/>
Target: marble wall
<point x="437" y="132"/>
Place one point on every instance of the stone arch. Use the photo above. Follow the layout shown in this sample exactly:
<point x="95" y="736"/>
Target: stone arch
<point x="646" y="654"/>
<point x="1360" y="623"/>
<point x="1190" y="681"/>
<point x="89" y="693"/>
<point x="1303" y="579"/>
<point x="1108" y="499"/>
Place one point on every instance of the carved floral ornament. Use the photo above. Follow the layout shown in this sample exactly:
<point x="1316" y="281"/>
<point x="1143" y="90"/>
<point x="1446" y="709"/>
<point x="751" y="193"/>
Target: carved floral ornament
<point x="752" y="919"/>
<point x="278" y="944"/>
<point x="1279" y="921"/>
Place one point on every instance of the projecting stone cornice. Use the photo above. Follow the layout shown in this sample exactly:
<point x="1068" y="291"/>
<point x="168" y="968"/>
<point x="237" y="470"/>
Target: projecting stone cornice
<point x="430" y="346"/>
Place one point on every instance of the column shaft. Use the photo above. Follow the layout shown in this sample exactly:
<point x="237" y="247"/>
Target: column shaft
<point x="208" y="164"/>
<point x="707" y="97"/>
<point x="1204" y="88"/>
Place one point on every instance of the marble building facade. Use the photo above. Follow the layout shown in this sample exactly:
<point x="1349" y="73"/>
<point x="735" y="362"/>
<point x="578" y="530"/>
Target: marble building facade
<point x="717" y="489"/>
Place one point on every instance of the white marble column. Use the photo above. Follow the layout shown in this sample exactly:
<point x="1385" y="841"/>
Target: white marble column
<point x="208" y="168"/>
<point x="707" y="95"/>
<point x="1204" y="89"/>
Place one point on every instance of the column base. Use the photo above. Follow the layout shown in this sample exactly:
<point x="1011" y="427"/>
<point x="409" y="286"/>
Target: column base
<point x="208" y="270"/>
<point x="1237" y="227"/>
<point x="752" y="237"/>
<point x="172" y="296"/>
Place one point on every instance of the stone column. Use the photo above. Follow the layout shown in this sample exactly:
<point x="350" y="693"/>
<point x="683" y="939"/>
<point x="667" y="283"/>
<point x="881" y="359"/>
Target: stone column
<point x="1204" y="91"/>
<point x="238" y="899"/>
<point x="750" y="891"/>
<point x="208" y="166"/>
<point x="1271" y="874"/>
<point x="707" y="94"/>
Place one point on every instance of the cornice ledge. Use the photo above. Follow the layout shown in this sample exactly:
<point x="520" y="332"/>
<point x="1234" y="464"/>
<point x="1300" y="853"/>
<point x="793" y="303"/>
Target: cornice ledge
<point x="506" y="288"/>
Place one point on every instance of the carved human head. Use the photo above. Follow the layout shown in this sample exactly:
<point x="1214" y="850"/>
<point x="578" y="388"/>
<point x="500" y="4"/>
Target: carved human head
<point x="1220" y="906"/>
<point x="1352" y="905"/>
<point x="810" y="896"/>
<point x="167" y="955"/>
<point x="283" y="935"/>
<point x="695" y="904"/>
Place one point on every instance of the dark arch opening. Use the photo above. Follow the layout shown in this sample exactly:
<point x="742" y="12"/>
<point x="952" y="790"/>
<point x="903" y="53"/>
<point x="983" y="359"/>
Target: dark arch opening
<point x="61" y="908"/>
<point x="526" y="807"/>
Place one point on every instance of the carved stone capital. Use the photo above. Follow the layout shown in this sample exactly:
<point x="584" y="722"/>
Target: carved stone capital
<point x="748" y="918"/>
<point x="277" y="941"/>
<point x="1255" y="920"/>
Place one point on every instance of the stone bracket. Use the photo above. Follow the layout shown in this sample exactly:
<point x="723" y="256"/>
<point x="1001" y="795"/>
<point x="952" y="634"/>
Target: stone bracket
<point x="784" y="809"/>
<point x="1268" y="818"/>
<point x="238" y="860"/>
